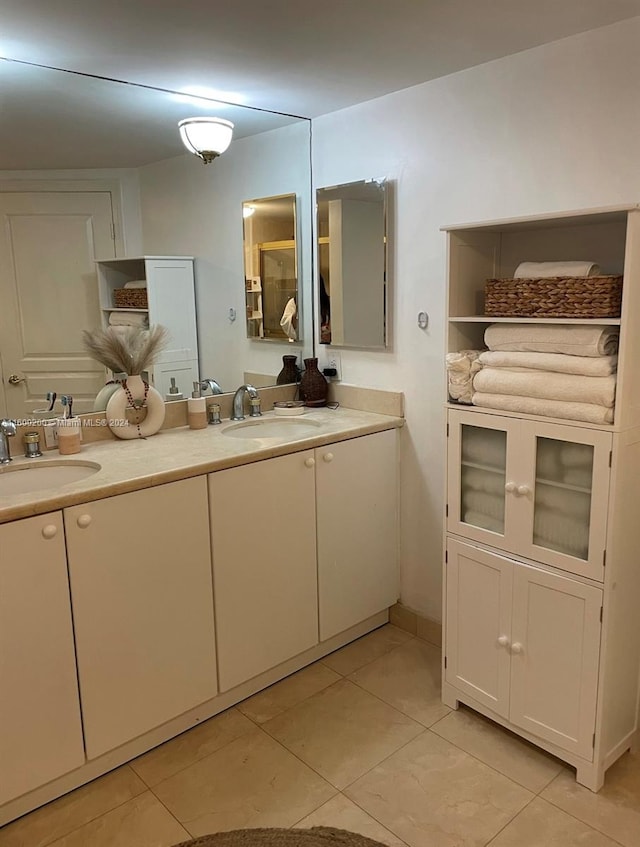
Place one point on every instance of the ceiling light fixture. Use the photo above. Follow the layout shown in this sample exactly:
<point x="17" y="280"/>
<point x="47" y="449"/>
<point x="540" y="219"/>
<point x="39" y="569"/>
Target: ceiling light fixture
<point x="206" y="137"/>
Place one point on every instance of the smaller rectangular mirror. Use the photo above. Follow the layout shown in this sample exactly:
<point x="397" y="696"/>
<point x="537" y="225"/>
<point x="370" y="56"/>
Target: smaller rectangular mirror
<point x="271" y="268"/>
<point x="352" y="262"/>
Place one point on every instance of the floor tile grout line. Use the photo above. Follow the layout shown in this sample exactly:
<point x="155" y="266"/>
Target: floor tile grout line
<point x="386" y="703"/>
<point x="371" y="815"/>
<point x="169" y="812"/>
<point x="585" y="823"/>
<point x="510" y="821"/>
<point x="370" y="661"/>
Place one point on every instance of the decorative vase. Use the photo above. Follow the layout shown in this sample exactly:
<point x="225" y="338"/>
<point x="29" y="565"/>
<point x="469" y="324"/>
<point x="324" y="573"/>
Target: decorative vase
<point x="290" y="371"/>
<point x="313" y="386"/>
<point x="136" y="394"/>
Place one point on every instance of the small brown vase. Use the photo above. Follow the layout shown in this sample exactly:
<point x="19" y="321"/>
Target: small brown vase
<point x="290" y="371"/>
<point x="313" y="386"/>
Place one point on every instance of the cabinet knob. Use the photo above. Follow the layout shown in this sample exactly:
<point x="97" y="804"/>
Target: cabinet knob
<point x="503" y="641"/>
<point x="49" y="531"/>
<point x="83" y="521"/>
<point x="510" y="487"/>
<point x="523" y="490"/>
<point x="328" y="457"/>
<point x="310" y="462"/>
<point x="516" y="647"/>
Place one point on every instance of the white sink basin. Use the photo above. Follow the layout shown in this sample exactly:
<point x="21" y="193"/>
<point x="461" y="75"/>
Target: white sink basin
<point x="282" y="429"/>
<point x="25" y="477"/>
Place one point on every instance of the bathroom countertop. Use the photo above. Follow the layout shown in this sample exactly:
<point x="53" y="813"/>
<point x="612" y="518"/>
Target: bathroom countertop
<point x="181" y="453"/>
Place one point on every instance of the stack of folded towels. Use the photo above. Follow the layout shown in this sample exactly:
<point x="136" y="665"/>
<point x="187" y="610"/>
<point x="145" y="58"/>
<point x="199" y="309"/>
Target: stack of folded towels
<point x="563" y="371"/>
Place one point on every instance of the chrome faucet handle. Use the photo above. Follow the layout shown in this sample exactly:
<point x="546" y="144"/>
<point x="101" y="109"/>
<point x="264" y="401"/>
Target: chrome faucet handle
<point x="8" y="428"/>
<point x="237" y="413"/>
<point x="254" y="410"/>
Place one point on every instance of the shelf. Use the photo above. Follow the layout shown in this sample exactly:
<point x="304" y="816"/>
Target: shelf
<point x="566" y="485"/>
<point x="487" y="319"/>
<point x="122" y="309"/>
<point x="480" y="467"/>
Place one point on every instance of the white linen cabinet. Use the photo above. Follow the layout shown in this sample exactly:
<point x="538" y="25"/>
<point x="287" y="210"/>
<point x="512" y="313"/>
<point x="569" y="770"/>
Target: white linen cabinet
<point x="541" y="573"/>
<point x="170" y="303"/>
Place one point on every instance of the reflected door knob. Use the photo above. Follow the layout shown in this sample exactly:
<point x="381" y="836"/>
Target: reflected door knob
<point x="510" y="487"/>
<point x="14" y="379"/>
<point x="310" y="462"/>
<point x="49" y="531"/>
<point x="83" y="521"/>
<point x="503" y="641"/>
<point x="328" y="457"/>
<point x="516" y="647"/>
<point x="523" y="490"/>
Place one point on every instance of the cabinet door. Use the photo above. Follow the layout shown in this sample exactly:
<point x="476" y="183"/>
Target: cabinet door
<point x="478" y="624"/>
<point x="482" y="462"/>
<point x="142" y="608"/>
<point x="565" y="495"/>
<point x="40" y="729"/>
<point x="555" y="646"/>
<point x="357" y="508"/>
<point x="263" y="536"/>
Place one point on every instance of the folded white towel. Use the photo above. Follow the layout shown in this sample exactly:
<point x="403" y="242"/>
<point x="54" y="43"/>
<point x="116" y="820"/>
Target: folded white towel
<point x="483" y="521"/>
<point x="556" y="362"/>
<point x="600" y="390"/>
<point x="487" y="504"/>
<point x="573" y="504"/>
<point x="474" y="479"/>
<point x="574" y="339"/>
<point x="576" y="455"/>
<point x="136" y="283"/>
<point x="582" y="477"/>
<point x="485" y="447"/>
<point x="128" y="319"/>
<point x="461" y="368"/>
<point x="588" y="412"/>
<point x="560" y="532"/>
<point x="543" y="270"/>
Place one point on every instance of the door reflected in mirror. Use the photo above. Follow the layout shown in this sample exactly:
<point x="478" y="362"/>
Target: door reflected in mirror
<point x="352" y="261"/>
<point x="271" y="269"/>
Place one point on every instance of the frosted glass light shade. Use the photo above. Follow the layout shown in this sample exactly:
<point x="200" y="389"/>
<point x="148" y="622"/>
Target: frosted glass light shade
<point x="206" y="137"/>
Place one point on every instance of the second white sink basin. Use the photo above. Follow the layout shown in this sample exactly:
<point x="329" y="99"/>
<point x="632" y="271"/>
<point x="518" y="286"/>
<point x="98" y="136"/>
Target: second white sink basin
<point x="25" y="478"/>
<point x="289" y="429"/>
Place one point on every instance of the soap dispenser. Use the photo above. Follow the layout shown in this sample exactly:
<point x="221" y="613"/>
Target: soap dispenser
<point x="197" y="409"/>
<point x="174" y="392"/>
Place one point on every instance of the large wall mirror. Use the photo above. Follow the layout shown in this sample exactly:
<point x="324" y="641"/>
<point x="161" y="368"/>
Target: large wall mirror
<point x="271" y="269"/>
<point x="352" y="263"/>
<point x="113" y="149"/>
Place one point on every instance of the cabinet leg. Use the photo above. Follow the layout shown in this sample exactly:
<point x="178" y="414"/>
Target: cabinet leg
<point x="449" y="697"/>
<point x="591" y="776"/>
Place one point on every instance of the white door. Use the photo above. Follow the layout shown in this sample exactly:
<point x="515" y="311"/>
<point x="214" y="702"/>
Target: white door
<point x="555" y="648"/>
<point x="564" y="493"/>
<point x="482" y="460"/>
<point x="49" y="294"/>
<point x="40" y="729"/>
<point x="357" y="506"/>
<point x="263" y="535"/>
<point x="140" y="570"/>
<point x="478" y="624"/>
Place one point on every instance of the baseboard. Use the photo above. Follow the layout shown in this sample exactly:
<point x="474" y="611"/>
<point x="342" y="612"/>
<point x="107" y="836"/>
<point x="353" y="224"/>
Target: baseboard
<point x="426" y="628"/>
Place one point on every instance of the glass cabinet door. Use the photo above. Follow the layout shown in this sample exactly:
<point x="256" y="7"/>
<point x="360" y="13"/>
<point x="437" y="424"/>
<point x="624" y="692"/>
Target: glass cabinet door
<point x="568" y="498"/>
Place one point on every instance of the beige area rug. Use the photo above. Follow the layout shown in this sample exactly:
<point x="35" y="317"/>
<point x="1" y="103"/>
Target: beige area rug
<point x="317" y="836"/>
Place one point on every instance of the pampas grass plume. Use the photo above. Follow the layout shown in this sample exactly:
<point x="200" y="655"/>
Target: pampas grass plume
<point x="128" y="349"/>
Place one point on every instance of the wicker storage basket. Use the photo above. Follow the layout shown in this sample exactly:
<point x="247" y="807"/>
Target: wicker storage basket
<point x="554" y="297"/>
<point x="130" y="298"/>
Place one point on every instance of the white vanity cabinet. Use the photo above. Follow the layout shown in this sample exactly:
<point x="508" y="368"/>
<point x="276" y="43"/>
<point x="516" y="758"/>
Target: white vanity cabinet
<point x="536" y="489"/>
<point x="357" y="503"/>
<point x="305" y="546"/>
<point x="170" y="303"/>
<point x="140" y="573"/>
<point x="525" y="643"/>
<point x="40" y="728"/>
<point x="263" y="537"/>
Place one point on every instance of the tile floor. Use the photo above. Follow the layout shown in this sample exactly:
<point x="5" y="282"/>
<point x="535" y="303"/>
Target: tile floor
<point x="359" y="741"/>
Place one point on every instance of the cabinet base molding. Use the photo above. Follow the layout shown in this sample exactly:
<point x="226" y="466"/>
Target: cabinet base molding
<point x="589" y="774"/>
<point x="120" y="756"/>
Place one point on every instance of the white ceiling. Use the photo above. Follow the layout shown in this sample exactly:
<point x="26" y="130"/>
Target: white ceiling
<point x="301" y="57"/>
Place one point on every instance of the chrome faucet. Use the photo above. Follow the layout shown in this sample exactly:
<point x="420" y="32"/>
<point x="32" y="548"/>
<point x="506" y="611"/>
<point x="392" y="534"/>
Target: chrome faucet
<point x="238" y="402"/>
<point x="7" y="428"/>
<point x="212" y="384"/>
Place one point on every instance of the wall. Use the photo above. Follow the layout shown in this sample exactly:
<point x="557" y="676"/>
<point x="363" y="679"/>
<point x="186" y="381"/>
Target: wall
<point x="554" y="128"/>
<point x="193" y="209"/>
